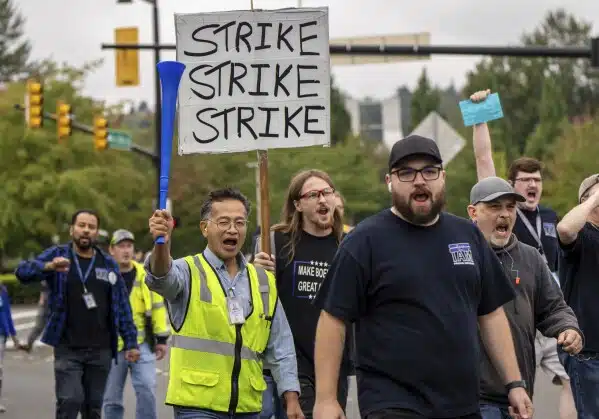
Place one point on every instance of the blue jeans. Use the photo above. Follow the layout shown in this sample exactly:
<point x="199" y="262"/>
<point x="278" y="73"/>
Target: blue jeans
<point x="492" y="411"/>
<point x="272" y="405"/>
<point x="183" y="413"/>
<point x="143" y="378"/>
<point x="584" y="380"/>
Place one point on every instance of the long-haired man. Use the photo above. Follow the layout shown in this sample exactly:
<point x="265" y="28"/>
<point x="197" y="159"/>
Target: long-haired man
<point x="304" y="243"/>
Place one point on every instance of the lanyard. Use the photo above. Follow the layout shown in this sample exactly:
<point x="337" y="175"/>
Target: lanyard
<point x="535" y="234"/>
<point x="89" y="268"/>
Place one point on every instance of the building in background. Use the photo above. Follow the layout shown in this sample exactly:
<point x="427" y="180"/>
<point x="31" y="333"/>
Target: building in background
<point x="388" y="120"/>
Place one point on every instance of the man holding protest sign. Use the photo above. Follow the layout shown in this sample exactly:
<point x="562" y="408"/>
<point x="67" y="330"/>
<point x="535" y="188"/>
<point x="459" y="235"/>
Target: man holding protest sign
<point x="232" y="323"/>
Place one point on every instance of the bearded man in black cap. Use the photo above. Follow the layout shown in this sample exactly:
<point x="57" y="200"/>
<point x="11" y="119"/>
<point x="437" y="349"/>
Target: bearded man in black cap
<point x="418" y="283"/>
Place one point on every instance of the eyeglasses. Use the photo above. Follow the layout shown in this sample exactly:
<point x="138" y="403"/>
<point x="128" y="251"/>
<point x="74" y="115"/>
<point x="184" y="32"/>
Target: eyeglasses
<point x="224" y="225"/>
<point x="315" y="194"/>
<point x="529" y="179"/>
<point x="409" y="174"/>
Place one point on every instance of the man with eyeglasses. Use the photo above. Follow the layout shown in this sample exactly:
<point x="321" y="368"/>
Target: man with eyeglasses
<point x="536" y="226"/>
<point x="419" y="284"/>
<point x="226" y="318"/>
<point x="303" y="245"/>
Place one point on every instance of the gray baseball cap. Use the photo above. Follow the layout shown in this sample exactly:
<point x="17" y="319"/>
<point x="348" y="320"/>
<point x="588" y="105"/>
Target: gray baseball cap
<point x="492" y="188"/>
<point x="121" y="235"/>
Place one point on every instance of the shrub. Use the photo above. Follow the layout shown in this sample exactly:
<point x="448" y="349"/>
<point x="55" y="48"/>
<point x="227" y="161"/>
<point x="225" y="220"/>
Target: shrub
<point x="19" y="293"/>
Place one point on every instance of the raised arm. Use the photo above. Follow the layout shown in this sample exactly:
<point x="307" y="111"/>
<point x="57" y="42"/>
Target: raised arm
<point x="481" y="142"/>
<point x="569" y="227"/>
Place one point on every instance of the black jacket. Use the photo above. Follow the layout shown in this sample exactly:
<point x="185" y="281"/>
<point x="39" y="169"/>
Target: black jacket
<point x="539" y="304"/>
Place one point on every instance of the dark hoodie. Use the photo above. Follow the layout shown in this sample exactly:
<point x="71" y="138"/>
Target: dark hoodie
<point x="539" y="304"/>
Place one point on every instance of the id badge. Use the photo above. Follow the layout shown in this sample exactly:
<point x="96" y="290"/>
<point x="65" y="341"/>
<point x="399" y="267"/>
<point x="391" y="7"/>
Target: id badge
<point x="235" y="311"/>
<point x="90" y="301"/>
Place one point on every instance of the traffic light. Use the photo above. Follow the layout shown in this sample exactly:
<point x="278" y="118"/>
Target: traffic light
<point x="100" y="133"/>
<point x="63" y="120"/>
<point x="34" y="104"/>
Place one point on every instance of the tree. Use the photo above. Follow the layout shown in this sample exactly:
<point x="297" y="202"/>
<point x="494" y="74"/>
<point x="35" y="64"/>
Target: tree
<point x="574" y="158"/>
<point x="44" y="182"/>
<point x="522" y="82"/>
<point x="552" y="114"/>
<point x="14" y="49"/>
<point x="425" y="99"/>
<point x="340" y="119"/>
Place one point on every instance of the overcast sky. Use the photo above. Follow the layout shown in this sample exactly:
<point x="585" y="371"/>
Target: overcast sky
<point x="72" y="31"/>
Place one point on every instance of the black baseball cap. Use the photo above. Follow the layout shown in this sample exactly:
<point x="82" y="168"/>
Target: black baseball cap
<point x="413" y="145"/>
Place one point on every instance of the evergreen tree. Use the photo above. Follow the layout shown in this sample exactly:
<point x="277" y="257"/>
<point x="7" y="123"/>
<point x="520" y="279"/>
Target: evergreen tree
<point x="14" y="48"/>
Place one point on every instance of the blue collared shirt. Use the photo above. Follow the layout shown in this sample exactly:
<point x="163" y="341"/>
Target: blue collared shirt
<point x="280" y="350"/>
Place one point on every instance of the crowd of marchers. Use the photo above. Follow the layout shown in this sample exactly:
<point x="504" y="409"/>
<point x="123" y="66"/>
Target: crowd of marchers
<point x="436" y="315"/>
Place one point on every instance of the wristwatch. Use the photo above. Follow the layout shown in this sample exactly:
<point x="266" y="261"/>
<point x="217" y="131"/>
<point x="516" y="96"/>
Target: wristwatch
<point x="515" y="384"/>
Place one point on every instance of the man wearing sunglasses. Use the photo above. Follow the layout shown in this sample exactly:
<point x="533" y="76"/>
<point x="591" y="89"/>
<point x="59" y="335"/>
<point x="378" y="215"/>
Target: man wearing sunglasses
<point x="419" y="284"/>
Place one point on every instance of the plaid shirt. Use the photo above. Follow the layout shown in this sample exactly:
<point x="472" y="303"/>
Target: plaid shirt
<point x="30" y="271"/>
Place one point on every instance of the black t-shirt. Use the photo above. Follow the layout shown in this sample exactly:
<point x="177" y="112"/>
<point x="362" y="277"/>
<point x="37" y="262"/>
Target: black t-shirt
<point x="415" y="294"/>
<point x="298" y="282"/>
<point x="549" y="220"/>
<point x="579" y="276"/>
<point x="88" y="328"/>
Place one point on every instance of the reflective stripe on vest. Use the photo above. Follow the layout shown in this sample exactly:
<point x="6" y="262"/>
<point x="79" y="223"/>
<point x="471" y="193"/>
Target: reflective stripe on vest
<point x="212" y="346"/>
<point x="206" y="295"/>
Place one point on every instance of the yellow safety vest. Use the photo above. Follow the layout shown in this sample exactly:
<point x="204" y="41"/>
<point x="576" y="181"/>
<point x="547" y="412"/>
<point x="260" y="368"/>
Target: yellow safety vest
<point x="146" y="304"/>
<point x="215" y="365"/>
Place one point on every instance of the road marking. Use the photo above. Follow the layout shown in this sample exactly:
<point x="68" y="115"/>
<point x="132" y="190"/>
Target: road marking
<point x="24" y="314"/>
<point x="24" y="326"/>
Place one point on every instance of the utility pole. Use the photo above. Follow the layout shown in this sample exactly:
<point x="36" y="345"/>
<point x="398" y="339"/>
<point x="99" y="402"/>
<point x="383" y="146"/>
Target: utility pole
<point x="157" y="95"/>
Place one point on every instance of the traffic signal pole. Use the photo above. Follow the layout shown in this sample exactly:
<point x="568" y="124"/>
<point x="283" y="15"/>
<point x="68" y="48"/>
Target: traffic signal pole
<point x="90" y="130"/>
<point x="532" y="51"/>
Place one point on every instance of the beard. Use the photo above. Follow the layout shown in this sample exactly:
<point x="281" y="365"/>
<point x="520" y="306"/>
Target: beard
<point x="403" y="206"/>
<point x="83" y="245"/>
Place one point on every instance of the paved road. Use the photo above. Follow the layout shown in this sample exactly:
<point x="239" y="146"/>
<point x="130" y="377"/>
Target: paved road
<point x="28" y="390"/>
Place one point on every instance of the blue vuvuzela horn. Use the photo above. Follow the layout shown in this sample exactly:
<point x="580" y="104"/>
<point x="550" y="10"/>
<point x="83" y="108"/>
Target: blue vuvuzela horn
<point x="170" y="73"/>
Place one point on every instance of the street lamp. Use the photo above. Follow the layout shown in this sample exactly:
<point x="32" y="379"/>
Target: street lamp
<point x="157" y="99"/>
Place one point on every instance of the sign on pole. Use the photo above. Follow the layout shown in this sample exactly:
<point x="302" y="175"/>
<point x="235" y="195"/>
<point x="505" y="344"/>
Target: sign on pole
<point x="119" y="140"/>
<point x="449" y="141"/>
<point x="254" y="80"/>
<point x="126" y="60"/>
<point x="416" y="39"/>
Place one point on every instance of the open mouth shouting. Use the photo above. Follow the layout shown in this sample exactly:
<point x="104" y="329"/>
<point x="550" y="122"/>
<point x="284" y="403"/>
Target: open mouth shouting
<point x="230" y="244"/>
<point x="502" y="229"/>
<point x="531" y="195"/>
<point x="421" y="197"/>
<point x="323" y="210"/>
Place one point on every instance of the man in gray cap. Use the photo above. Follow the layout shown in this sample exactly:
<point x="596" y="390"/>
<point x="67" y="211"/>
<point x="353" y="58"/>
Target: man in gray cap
<point x="539" y="303"/>
<point x="578" y="234"/>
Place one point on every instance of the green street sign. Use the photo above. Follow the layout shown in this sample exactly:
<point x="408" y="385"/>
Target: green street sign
<point x="119" y="140"/>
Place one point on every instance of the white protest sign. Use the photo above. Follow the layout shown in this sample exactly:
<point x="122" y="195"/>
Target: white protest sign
<point x="254" y="80"/>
